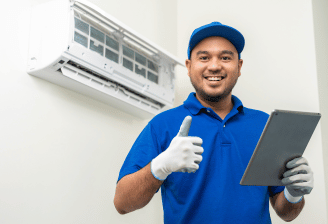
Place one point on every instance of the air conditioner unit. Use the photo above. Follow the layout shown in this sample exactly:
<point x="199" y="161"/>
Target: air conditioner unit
<point x="77" y="45"/>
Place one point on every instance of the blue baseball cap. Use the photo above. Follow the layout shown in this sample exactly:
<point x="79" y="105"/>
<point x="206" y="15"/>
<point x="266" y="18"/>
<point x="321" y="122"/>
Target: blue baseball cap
<point x="216" y="29"/>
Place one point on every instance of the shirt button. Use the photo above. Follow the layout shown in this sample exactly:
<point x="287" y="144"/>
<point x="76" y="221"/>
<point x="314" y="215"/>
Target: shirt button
<point x="208" y="111"/>
<point x="224" y="125"/>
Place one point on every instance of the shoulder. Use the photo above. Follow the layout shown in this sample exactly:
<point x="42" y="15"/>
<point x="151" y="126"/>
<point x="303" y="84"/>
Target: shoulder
<point x="256" y="117"/>
<point x="255" y="113"/>
<point x="170" y="115"/>
<point x="170" y="119"/>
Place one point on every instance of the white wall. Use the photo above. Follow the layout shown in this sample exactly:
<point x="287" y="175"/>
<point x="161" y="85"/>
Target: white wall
<point x="320" y="18"/>
<point x="61" y="152"/>
<point x="279" y="70"/>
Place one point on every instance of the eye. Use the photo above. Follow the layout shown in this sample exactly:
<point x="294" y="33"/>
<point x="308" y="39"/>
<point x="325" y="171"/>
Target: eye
<point x="203" y="58"/>
<point x="226" y="58"/>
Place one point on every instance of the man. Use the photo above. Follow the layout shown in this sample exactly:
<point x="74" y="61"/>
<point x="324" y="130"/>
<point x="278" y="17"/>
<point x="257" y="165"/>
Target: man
<point x="199" y="176"/>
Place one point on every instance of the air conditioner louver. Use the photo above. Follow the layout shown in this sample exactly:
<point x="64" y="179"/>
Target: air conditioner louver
<point x="88" y="77"/>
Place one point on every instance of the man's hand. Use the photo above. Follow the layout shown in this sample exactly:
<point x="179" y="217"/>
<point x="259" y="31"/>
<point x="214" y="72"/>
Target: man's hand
<point x="298" y="179"/>
<point x="183" y="154"/>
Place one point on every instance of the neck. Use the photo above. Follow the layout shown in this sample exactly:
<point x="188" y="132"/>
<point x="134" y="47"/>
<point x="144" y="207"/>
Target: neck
<point x="222" y="107"/>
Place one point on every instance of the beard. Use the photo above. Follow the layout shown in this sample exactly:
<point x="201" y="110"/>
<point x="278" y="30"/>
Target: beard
<point x="212" y="97"/>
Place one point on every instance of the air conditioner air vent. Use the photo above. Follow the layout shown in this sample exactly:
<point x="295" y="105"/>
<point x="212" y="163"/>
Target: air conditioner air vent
<point x="98" y="78"/>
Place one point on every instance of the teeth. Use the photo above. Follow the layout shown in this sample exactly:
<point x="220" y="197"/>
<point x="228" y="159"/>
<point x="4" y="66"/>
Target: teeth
<point x="214" y="78"/>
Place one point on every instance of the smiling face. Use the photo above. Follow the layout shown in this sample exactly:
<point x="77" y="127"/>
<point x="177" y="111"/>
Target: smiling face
<point x="214" y="68"/>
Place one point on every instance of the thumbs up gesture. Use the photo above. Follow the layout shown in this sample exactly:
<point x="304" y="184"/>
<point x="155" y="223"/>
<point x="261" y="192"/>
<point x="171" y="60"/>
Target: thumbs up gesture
<point x="183" y="154"/>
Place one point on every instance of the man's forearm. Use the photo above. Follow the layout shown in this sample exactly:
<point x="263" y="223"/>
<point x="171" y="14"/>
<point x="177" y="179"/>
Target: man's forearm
<point x="286" y="210"/>
<point x="134" y="191"/>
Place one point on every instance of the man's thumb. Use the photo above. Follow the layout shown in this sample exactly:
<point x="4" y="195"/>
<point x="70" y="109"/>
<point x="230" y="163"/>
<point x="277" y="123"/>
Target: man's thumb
<point x="185" y="126"/>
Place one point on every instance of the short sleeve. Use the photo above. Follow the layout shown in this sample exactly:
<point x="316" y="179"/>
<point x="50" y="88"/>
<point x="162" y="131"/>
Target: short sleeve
<point x="275" y="190"/>
<point x="144" y="149"/>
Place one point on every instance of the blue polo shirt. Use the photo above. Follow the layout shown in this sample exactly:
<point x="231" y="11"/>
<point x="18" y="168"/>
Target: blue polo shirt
<point x="212" y="194"/>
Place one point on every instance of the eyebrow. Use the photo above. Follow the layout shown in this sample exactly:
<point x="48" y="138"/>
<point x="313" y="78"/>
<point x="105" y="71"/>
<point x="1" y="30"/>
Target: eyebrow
<point x="227" y="52"/>
<point x="222" y="52"/>
<point x="202" y="52"/>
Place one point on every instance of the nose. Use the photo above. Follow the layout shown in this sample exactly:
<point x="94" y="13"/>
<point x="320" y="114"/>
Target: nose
<point x="214" y="66"/>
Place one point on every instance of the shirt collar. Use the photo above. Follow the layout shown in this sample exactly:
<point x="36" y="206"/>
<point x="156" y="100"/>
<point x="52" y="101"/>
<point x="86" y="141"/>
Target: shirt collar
<point x="195" y="107"/>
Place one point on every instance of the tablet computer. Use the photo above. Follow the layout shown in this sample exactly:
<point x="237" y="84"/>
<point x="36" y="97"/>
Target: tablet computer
<point x="285" y="137"/>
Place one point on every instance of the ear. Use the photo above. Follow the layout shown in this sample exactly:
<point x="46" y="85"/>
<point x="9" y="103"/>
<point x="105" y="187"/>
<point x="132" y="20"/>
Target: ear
<point x="188" y="65"/>
<point x="240" y="64"/>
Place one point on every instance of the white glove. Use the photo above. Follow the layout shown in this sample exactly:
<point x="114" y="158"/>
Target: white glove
<point x="298" y="179"/>
<point x="183" y="154"/>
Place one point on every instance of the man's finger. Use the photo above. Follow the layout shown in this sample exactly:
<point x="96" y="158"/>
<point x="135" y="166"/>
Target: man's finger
<point x="299" y="178"/>
<point x="296" y="162"/>
<point x="185" y="126"/>
<point x="302" y="169"/>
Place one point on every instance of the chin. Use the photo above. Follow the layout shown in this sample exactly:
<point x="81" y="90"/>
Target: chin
<point x="212" y="97"/>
